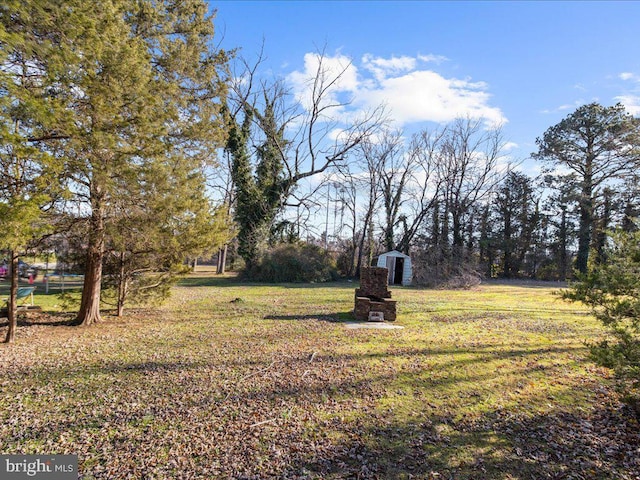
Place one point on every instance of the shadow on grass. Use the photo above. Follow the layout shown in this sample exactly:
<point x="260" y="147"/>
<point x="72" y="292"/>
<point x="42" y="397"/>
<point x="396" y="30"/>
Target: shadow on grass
<point x="554" y="445"/>
<point x="370" y="444"/>
<point x="338" y="317"/>
<point x="236" y="281"/>
<point x="48" y="319"/>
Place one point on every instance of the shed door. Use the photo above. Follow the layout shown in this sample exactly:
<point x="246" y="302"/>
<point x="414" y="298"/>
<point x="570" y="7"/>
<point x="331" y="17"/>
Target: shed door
<point x="391" y="264"/>
<point x="399" y="271"/>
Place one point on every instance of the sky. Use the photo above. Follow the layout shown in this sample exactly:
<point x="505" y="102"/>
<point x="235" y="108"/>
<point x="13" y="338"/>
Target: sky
<point x="526" y="65"/>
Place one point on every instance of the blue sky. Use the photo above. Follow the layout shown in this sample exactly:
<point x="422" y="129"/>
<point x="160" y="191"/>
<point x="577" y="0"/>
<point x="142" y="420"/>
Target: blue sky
<point x="528" y="64"/>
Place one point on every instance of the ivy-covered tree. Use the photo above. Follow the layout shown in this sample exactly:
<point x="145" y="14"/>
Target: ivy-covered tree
<point x="276" y="141"/>
<point x="612" y="289"/>
<point x="599" y="145"/>
<point x="260" y="194"/>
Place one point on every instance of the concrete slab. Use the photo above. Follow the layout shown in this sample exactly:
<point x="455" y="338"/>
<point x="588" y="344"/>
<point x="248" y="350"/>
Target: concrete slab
<point x="372" y="325"/>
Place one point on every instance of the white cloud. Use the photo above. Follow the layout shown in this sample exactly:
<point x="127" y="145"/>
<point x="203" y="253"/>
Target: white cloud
<point x="630" y="95"/>
<point x="437" y="59"/>
<point x="630" y="102"/>
<point x="568" y="106"/>
<point x="383" y="67"/>
<point x="338" y="74"/>
<point x="410" y="94"/>
<point x="338" y="134"/>
<point x="424" y="95"/>
<point x="628" y="76"/>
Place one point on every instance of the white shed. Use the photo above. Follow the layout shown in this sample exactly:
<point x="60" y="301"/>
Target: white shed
<point x="399" y="266"/>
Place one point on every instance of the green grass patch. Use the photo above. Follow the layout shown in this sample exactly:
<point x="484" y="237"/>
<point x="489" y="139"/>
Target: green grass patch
<point x="237" y="380"/>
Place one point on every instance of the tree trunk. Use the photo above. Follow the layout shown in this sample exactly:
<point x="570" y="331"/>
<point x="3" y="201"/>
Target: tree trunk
<point x="389" y="243"/>
<point x="361" y="242"/>
<point x="366" y="225"/>
<point x="457" y="257"/>
<point x="13" y="293"/>
<point x="435" y="229"/>
<point x="563" y="238"/>
<point x="584" y="230"/>
<point x="507" y="266"/>
<point x="122" y="286"/>
<point x="90" y="305"/>
<point x="628" y="224"/>
<point x="222" y="260"/>
<point x="354" y="246"/>
<point x="483" y="244"/>
<point x="388" y="238"/>
<point x="600" y="236"/>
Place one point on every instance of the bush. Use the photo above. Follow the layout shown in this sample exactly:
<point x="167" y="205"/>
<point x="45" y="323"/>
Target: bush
<point x="294" y="262"/>
<point x="611" y="287"/>
<point x="433" y="268"/>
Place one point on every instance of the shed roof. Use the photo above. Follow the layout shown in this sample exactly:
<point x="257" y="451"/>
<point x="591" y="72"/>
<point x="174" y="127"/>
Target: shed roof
<point x="395" y="253"/>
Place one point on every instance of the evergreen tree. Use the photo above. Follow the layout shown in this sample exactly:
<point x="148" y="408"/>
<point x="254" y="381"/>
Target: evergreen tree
<point x="487" y="251"/>
<point x="154" y="225"/>
<point x="612" y="289"/>
<point x="561" y="216"/>
<point x="135" y="82"/>
<point x="28" y="176"/>
<point x="599" y="145"/>
<point x="518" y="217"/>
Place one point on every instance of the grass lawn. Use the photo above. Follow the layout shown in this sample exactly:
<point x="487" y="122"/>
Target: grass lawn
<point x="232" y="380"/>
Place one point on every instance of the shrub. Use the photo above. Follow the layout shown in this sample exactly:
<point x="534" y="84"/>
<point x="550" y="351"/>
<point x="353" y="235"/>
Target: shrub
<point x="433" y="268"/>
<point x="612" y="289"/>
<point x="294" y="262"/>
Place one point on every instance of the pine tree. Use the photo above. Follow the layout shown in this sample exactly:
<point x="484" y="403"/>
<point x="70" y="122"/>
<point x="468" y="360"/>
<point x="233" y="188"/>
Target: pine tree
<point x="598" y="145"/>
<point x="517" y="216"/>
<point x="135" y="82"/>
<point x="612" y="289"/>
<point x="155" y="223"/>
<point x="28" y="175"/>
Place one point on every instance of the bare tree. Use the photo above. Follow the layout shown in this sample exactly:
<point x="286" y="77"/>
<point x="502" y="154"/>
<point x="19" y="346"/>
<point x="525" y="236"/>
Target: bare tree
<point x="278" y="140"/>
<point x="422" y="184"/>
<point x="469" y="156"/>
<point x="387" y="156"/>
<point x="348" y="196"/>
<point x="368" y="181"/>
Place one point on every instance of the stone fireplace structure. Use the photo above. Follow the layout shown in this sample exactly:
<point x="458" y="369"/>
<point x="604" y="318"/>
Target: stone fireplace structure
<point x="373" y="299"/>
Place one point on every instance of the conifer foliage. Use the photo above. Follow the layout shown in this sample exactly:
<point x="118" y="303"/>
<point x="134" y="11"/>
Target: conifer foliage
<point x="599" y="146"/>
<point x="612" y="289"/>
<point x="129" y="98"/>
<point x="28" y="175"/>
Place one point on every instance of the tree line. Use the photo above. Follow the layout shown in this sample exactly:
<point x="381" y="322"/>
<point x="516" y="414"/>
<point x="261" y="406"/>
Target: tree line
<point x="125" y="132"/>
<point x="450" y="196"/>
